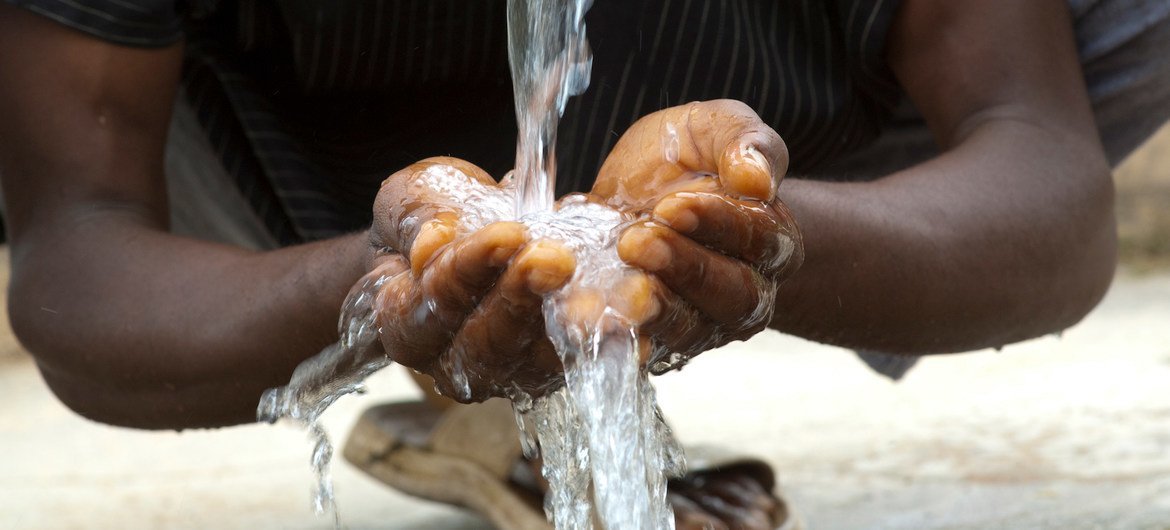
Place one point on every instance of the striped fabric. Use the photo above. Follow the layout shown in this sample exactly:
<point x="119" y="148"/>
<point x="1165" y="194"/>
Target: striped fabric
<point x="312" y="103"/>
<point x="148" y="23"/>
<point x="812" y="69"/>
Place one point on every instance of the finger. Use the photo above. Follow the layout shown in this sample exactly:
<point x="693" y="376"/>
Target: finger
<point x="363" y="295"/>
<point x="748" y="170"/>
<point x="587" y="312"/>
<point x="763" y="234"/>
<point x="730" y="138"/>
<point x="677" y="327"/>
<point x="543" y="372"/>
<point x="393" y="306"/>
<point x="416" y="212"/>
<point x="432" y="235"/>
<point x="422" y="316"/>
<point x="384" y="267"/>
<point x="750" y="156"/>
<point x="723" y="137"/>
<point x="460" y="276"/>
<point x="727" y="290"/>
<point x="501" y="335"/>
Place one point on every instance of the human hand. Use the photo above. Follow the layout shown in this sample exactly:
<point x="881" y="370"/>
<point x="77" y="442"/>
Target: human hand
<point x="702" y="178"/>
<point x="462" y="298"/>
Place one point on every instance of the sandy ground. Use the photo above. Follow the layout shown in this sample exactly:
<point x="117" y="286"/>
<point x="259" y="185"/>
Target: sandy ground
<point x="1060" y="433"/>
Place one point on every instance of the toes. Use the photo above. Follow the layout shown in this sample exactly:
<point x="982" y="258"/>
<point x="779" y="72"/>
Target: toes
<point x="738" y="501"/>
<point x="688" y="515"/>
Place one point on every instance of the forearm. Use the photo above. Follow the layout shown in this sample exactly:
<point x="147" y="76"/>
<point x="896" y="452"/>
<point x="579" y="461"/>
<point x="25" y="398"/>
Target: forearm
<point x="133" y="326"/>
<point x="129" y="324"/>
<point x="1008" y="236"/>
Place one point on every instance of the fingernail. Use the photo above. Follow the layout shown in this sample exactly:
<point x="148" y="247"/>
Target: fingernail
<point x="507" y="237"/>
<point x="549" y="267"/>
<point x="751" y="155"/>
<point x="431" y="236"/>
<point x="750" y="174"/>
<point x="674" y="212"/>
<point x="500" y="256"/>
<point x="640" y="304"/>
<point x="643" y="248"/>
<point x="541" y="282"/>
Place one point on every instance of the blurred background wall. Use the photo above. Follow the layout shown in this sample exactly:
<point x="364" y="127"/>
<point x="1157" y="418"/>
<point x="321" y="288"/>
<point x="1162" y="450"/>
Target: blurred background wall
<point x="1143" y="205"/>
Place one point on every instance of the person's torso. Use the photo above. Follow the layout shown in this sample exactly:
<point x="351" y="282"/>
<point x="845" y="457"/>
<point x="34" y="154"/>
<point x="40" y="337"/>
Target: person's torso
<point x="365" y="87"/>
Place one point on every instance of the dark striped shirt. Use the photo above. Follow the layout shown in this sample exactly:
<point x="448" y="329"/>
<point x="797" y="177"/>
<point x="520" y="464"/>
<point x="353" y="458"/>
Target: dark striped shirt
<point x="311" y="103"/>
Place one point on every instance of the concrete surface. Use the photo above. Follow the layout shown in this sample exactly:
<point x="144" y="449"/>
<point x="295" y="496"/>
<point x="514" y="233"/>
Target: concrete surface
<point x="1060" y="433"/>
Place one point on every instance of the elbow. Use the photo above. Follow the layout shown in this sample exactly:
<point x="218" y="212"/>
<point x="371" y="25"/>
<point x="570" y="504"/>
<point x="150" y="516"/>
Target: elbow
<point x="77" y="372"/>
<point x="88" y="397"/>
<point x="1095" y="260"/>
<point x="37" y="326"/>
<point x="1055" y="271"/>
<point x="1079" y="273"/>
<point x="41" y="332"/>
<point x="107" y="385"/>
<point x="114" y="376"/>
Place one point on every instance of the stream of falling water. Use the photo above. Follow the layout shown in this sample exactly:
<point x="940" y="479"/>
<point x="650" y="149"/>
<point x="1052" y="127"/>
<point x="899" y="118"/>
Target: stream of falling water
<point x="606" y="451"/>
<point x="602" y="438"/>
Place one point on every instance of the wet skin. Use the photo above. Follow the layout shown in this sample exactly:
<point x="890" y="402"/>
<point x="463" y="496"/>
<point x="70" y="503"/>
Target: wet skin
<point x="1008" y="234"/>
<point x="711" y="243"/>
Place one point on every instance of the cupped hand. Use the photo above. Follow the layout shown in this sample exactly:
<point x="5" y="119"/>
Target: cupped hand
<point x="713" y="236"/>
<point x="462" y="297"/>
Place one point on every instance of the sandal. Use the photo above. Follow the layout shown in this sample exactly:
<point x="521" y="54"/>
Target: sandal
<point x="467" y="456"/>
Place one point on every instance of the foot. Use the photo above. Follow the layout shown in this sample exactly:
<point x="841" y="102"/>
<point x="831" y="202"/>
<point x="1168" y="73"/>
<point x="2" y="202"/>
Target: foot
<point x="470" y="456"/>
<point x="727" y="499"/>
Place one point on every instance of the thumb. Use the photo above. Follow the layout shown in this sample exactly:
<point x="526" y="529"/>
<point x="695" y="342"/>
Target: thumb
<point x="750" y="156"/>
<point x="415" y="214"/>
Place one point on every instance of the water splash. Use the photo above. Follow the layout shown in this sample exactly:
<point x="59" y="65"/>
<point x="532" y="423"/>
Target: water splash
<point x="670" y="147"/>
<point x="320" y="381"/>
<point x="606" y="450"/>
<point x="602" y="438"/>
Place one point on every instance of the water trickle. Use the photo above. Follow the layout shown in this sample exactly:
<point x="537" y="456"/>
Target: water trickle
<point x="321" y="380"/>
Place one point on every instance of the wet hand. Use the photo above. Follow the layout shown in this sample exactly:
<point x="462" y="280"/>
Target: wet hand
<point x="714" y="237"/>
<point x="462" y="304"/>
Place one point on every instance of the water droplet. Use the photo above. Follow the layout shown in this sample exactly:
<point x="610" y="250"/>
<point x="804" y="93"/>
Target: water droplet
<point x="670" y="148"/>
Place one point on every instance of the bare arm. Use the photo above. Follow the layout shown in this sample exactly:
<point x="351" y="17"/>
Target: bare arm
<point x="129" y="324"/>
<point x="1008" y="235"/>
